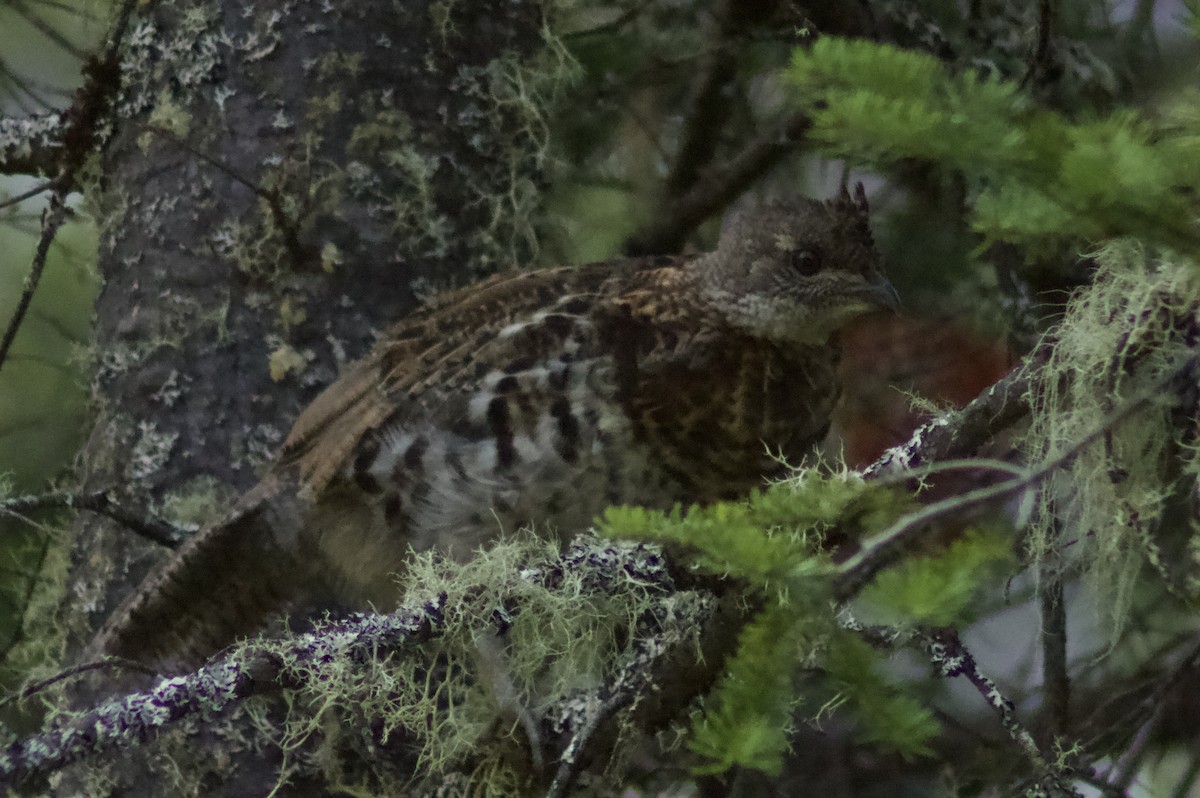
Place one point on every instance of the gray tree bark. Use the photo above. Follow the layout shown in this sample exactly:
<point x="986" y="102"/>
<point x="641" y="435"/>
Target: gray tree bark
<point x="281" y="182"/>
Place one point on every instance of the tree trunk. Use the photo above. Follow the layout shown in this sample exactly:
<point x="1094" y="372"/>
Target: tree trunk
<point x="281" y="183"/>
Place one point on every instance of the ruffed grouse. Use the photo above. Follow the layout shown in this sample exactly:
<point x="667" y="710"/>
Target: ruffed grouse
<point x="533" y="397"/>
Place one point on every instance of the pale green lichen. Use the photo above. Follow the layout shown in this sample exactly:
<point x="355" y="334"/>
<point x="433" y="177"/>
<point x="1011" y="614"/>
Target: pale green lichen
<point x="507" y="647"/>
<point x="1120" y="342"/>
<point x="167" y="119"/>
<point x="523" y="90"/>
<point x="197" y="503"/>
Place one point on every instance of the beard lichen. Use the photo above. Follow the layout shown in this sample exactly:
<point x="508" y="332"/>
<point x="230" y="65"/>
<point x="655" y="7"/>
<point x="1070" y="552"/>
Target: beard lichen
<point x="1120" y="362"/>
<point x="517" y="635"/>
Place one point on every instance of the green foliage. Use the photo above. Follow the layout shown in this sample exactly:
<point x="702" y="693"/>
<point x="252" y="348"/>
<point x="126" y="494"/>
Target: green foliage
<point x="1192" y="16"/>
<point x="1035" y="175"/>
<point x="771" y="541"/>
<point x="888" y="716"/>
<point x="771" y="538"/>
<point x="937" y="590"/>
<point x="751" y="716"/>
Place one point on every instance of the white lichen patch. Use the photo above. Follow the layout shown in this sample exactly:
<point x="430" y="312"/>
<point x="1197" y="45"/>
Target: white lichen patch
<point x="150" y="451"/>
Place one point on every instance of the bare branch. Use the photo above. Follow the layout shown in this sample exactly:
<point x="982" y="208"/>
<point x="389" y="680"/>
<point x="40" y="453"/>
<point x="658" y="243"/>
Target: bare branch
<point x="964" y="431"/>
<point x="667" y="230"/>
<point x="710" y="103"/>
<point x="102" y="503"/>
<point x="79" y="132"/>
<point x="31" y="193"/>
<point x="52" y="219"/>
<point x="951" y="658"/>
<point x="18" y="633"/>
<point x="1039" y="59"/>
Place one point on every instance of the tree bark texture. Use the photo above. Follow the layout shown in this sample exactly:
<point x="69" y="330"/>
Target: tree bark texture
<point x="280" y="182"/>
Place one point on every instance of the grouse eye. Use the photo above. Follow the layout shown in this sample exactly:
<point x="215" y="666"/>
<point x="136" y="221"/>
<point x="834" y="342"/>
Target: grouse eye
<point x="806" y="261"/>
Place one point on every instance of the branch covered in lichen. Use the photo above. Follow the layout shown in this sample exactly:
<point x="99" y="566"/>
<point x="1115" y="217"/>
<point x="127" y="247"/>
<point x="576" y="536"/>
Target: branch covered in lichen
<point x="961" y="433"/>
<point x="336" y="655"/>
<point x="950" y="658"/>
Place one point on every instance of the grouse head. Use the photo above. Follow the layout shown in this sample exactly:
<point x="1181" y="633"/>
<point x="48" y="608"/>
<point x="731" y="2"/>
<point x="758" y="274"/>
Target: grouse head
<point x="794" y="272"/>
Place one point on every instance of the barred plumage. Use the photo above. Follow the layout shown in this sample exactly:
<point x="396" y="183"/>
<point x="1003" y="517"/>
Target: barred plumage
<point x="534" y="398"/>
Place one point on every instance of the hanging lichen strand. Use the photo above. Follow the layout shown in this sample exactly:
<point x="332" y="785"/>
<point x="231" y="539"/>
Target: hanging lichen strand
<point x="1121" y="377"/>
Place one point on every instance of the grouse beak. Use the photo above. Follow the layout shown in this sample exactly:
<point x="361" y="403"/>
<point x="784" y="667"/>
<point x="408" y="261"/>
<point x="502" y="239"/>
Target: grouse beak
<point x="883" y="294"/>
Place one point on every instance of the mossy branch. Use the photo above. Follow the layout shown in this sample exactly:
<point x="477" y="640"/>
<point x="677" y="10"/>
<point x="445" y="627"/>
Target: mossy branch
<point x="338" y="653"/>
<point x="648" y="677"/>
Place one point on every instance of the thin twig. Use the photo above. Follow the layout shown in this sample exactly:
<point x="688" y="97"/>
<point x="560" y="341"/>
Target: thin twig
<point x="612" y="26"/>
<point x="108" y="663"/>
<point x="1125" y="768"/>
<point x="18" y="634"/>
<point x="101" y="503"/>
<point x="952" y="658"/>
<point x="52" y="219"/>
<point x="42" y="361"/>
<point x="1183" y="787"/>
<point x="667" y="230"/>
<point x="1056" y="683"/>
<point x="28" y="97"/>
<point x="883" y="549"/>
<point x="274" y="199"/>
<point x="1041" y="52"/>
<point x="33" y="192"/>
<point x="709" y="105"/>
<point x="80" y="123"/>
<point x="45" y="28"/>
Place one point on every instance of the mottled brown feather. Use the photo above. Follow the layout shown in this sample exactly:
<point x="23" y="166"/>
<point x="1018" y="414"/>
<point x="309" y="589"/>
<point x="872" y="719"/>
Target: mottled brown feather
<point x="405" y="364"/>
<point x="531" y="397"/>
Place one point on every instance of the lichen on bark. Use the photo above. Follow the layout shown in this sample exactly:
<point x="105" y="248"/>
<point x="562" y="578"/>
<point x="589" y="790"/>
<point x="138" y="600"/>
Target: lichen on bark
<point x="257" y="193"/>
